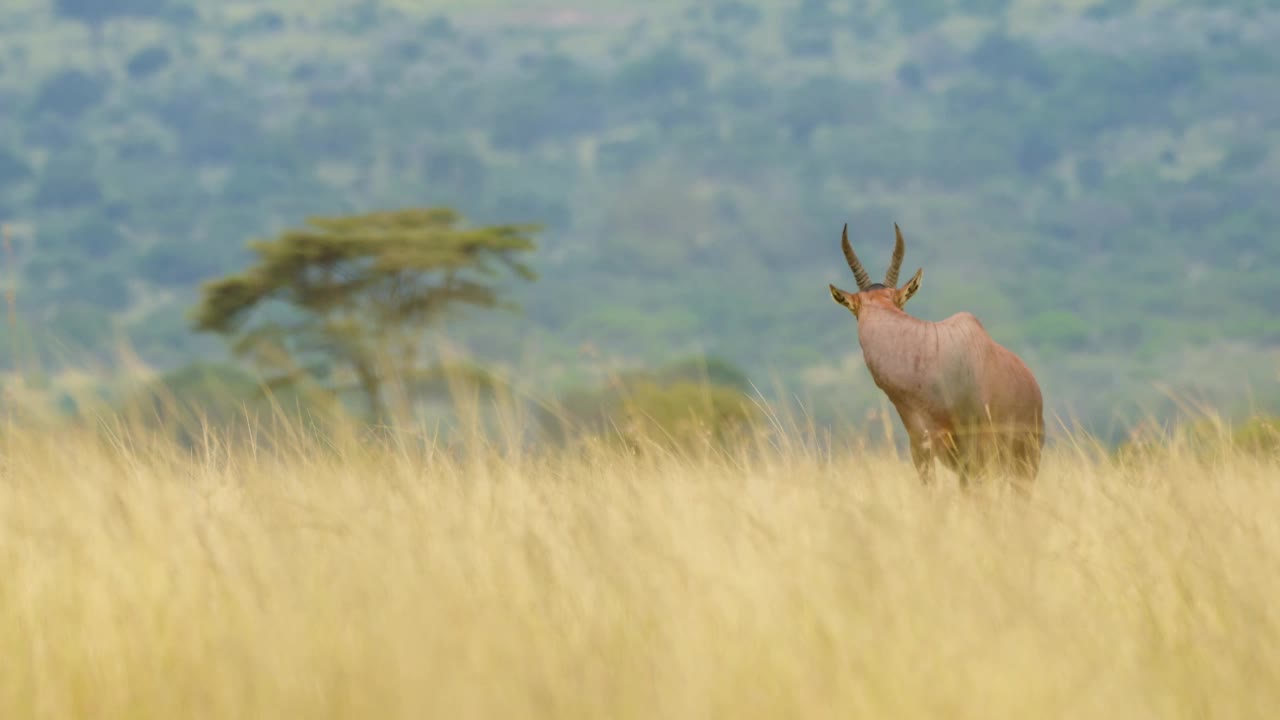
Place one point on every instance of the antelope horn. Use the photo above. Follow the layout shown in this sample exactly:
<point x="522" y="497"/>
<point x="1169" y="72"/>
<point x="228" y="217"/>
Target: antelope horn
<point x="859" y="273"/>
<point x="899" y="249"/>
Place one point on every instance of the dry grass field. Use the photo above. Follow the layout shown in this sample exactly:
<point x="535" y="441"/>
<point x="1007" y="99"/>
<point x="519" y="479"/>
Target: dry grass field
<point x="358" y="579"/>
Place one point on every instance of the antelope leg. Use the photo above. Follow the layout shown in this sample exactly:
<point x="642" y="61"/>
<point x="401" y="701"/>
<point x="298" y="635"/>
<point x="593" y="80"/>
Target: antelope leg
<point x="922" y="457"/>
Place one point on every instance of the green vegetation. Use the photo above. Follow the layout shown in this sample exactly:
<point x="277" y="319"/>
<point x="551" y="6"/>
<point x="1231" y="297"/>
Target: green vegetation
<point x="1206" y="438"/>
<point x="685" y="404"/>
<point x="356" y="293"/>
<point x="1095" y="180"/>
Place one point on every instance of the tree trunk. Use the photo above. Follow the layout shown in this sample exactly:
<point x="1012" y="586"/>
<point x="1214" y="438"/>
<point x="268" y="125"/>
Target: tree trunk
<point x="371" y="386"/>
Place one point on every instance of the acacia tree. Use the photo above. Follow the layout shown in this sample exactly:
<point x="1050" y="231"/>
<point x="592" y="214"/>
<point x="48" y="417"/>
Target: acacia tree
<point x="357" y="292"/>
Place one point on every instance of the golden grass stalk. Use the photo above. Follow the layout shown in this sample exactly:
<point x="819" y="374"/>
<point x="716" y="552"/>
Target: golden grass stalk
<point x="350" y="577"/>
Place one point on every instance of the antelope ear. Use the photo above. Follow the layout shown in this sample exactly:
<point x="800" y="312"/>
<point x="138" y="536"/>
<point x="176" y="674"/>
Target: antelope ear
<point x="906" y="291"/>
<point x="842" y="298"/>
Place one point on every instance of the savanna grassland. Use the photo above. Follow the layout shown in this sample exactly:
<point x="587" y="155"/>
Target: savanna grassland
<point x="1093" y="179"/>
<point x="357" y="578"/>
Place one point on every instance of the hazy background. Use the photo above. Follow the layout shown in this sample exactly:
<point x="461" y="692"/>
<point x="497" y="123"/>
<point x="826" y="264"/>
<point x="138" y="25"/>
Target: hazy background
<point x="1095" y="180"/>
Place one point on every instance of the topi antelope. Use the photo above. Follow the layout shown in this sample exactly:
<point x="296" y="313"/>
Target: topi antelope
<point x="962" y="397"/>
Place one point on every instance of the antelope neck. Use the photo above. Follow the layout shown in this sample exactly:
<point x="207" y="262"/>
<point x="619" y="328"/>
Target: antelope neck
<point x="895" y="346"/>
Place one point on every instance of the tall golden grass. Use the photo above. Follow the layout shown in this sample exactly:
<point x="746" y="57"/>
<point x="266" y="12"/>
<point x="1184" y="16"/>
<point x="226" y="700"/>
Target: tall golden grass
<point x="349" y="577"/>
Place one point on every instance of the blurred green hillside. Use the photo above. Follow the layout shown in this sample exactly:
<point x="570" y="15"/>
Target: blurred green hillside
<point x="1096" y="180"/>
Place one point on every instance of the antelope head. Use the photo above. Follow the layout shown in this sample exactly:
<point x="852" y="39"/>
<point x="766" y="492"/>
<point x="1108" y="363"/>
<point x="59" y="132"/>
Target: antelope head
<point x="872" y="293"/>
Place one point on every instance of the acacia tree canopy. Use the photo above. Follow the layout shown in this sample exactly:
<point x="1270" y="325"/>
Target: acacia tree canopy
<point x="357" y="291"/>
